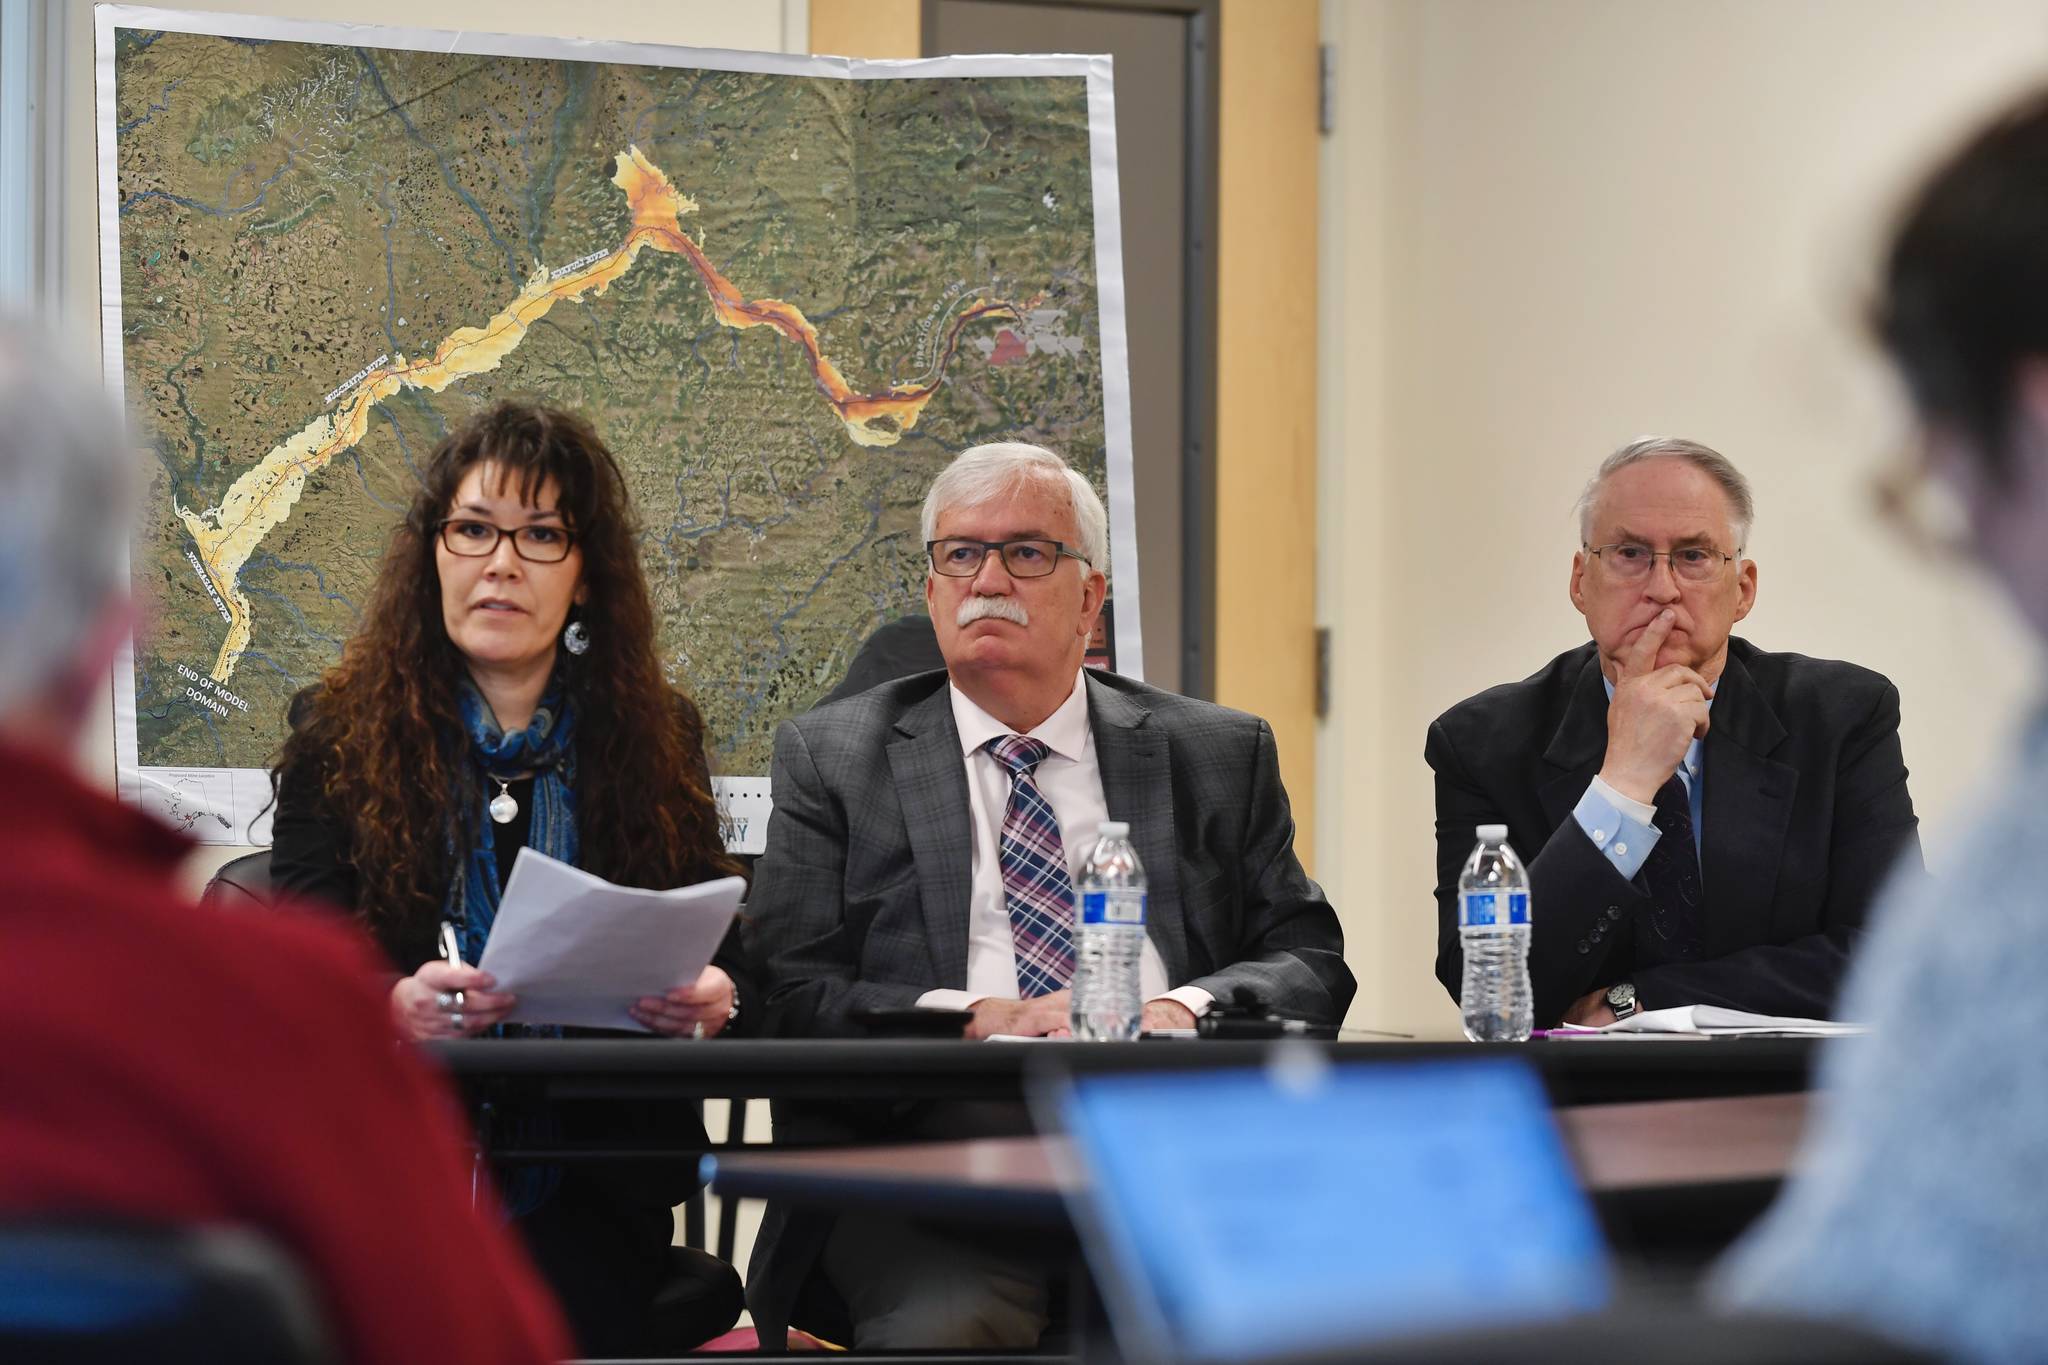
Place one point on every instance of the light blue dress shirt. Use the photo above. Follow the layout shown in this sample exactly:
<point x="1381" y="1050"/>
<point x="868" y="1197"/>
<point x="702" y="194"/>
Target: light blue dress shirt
<point x="1627" y="836"/>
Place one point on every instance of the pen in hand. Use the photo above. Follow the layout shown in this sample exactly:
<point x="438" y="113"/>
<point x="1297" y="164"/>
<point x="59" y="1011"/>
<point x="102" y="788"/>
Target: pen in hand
<point x="451" y="953"/>
<point x="459" y="999"/>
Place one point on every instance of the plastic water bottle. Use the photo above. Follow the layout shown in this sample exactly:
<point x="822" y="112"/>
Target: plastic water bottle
<point x="1109" y="939"/>
<point x="1493" y="927"/>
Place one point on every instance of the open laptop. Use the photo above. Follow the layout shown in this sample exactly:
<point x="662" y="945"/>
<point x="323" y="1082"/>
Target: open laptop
<point x="1302" y="1206"/>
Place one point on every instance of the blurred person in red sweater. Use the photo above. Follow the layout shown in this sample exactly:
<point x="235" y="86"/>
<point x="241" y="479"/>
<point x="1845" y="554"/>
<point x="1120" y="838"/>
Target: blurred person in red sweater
<point x="170" y="1065"/>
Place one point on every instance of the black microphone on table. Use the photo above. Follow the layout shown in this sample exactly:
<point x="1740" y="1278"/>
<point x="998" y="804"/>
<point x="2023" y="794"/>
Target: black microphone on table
<point x="1245" y="1016"/>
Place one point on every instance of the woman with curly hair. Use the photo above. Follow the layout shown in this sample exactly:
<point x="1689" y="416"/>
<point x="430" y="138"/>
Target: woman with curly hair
<point x="504" y="691"/>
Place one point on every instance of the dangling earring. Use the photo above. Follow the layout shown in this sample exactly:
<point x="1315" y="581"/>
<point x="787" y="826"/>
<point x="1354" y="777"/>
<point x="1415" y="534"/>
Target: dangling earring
<point x="576" y="638"/>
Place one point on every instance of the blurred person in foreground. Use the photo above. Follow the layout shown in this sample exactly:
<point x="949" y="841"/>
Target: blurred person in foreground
<point x="1918" y="1204"/>
<point x="170" y="1065"/>
<point x="505" y="691"/>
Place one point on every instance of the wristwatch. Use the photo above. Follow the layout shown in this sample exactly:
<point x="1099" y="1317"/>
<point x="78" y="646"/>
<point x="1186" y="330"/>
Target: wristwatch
<point x="1622" y="1000"/>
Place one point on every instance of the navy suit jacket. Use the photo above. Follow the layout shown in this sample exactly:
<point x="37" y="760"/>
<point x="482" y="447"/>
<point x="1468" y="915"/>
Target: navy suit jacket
<point x="1805" y="814"/>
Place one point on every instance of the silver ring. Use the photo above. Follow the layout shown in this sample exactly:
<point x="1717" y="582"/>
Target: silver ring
<point x="445" y="1002"/>
<point x="455" y="1021"/>
<point x="697" y="1030"/>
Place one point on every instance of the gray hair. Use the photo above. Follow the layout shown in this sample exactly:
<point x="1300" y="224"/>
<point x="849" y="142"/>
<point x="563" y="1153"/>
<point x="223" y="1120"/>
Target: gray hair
<point x="983" y="473"/>
<point x="1712" y="463"/>
<point x="66" y="478"/>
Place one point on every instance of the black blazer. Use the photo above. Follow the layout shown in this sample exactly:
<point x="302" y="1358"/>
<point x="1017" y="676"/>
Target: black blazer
<point x="311" y="857"/>
<point x="1805" y="812"/>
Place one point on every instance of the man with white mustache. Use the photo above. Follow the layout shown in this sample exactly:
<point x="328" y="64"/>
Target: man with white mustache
<point x="883" y="884"/>
<point x="1705" y="823"/>
<point x="991" y="608"/>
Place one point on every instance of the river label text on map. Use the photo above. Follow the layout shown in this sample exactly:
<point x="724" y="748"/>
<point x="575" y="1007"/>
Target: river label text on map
<point x="580" y="263"/>
<point x="358" y="377"/>
<point x="206" y="582"/>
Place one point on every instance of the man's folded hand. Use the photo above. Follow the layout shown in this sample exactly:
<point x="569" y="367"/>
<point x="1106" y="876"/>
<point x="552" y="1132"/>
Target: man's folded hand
<point x="1042" y="1017"/>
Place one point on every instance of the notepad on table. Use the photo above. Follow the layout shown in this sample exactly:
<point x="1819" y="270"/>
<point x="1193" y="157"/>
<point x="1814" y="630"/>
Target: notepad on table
<point x="1714" y="1021"/>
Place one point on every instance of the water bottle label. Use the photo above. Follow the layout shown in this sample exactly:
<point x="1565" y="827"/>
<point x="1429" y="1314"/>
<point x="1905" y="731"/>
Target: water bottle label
<point x="1492" y="909"/>
<point x="1113" y="907"/>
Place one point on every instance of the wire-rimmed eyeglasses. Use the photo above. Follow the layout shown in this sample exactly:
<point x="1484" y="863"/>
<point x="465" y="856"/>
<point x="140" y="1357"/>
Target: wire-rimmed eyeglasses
<point x="1630" y="562"/>
<point x="537" y="544"/>
<point x="1027" y="558"/>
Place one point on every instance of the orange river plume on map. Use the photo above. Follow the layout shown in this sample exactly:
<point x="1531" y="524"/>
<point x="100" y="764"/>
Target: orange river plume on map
<point x="786" y="302"/>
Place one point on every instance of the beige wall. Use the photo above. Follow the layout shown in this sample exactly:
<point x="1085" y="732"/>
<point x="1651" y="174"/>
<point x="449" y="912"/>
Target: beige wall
<point x="755" y="25"/>
<point x="1552" y="227"/>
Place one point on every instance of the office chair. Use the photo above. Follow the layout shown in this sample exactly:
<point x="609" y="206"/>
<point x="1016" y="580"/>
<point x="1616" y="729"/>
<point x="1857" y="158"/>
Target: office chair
<point x="108" y="1292"/>
<point x="240" y="883"/>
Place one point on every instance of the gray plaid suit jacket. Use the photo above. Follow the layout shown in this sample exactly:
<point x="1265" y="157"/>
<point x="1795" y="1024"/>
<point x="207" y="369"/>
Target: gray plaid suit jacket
<point x="861" y="898"/>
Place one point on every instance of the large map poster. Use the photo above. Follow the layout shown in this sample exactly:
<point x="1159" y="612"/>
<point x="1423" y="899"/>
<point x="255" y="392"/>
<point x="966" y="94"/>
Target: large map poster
<point x="786" y="289"/>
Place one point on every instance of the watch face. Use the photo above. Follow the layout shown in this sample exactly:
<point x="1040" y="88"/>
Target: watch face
<point x="1621" y="995"/>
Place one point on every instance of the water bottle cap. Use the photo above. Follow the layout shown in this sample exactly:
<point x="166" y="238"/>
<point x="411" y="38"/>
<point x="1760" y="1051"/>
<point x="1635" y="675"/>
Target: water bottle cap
<point x="1114" y="829"/>
<point x="1493" y="834"/>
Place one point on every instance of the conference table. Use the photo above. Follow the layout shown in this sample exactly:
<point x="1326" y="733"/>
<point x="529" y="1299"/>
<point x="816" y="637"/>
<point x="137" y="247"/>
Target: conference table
<point x="1703" y="1145"/>
<point x="1670" y="1221"/>
<point x="1726" y="1111"/>
<point x="1595" y="1070"/>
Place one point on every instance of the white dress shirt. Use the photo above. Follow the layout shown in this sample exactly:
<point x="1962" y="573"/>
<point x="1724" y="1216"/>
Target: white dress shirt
<point x="1070" y="779"/>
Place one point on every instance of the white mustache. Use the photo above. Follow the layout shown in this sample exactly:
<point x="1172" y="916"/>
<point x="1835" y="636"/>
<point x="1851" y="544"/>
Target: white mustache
<point x="982" y="608"/>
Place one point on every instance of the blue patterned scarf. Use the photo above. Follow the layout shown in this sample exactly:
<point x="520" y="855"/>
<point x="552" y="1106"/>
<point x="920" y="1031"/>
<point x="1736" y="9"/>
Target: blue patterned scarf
<point x="547" y="749"/>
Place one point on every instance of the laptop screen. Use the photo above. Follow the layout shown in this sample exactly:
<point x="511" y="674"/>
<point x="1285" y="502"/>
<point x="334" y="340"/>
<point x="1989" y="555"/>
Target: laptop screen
<point x="1301" y="1207"/>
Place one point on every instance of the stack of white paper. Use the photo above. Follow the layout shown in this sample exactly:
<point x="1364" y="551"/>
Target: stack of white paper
<point x="577" y="949"/>
<point x="1712" y="1020"/>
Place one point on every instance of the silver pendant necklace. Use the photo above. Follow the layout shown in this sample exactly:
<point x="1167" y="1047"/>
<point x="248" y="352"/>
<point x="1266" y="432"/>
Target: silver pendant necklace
<point x="504" y="808"/>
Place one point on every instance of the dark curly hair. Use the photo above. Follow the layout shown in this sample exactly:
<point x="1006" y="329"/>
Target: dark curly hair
<point x="385" y="733"/>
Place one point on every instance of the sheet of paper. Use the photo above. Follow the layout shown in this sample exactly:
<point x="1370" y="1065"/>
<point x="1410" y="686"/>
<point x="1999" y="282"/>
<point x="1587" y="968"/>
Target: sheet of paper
<point x="577" y="949"/>
<point x="1713" y="1020"/>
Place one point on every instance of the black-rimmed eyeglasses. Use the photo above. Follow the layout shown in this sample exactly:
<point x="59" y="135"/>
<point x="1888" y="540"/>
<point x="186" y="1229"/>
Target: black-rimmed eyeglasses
<point x="1023" y="558"/>
<point x="537" y="544"/>
<point x="1630" y="562"/>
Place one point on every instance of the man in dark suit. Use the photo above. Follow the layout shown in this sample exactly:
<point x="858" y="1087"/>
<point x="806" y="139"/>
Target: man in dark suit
<point x="1705" y="822"/>
<point x="900" y="869"/>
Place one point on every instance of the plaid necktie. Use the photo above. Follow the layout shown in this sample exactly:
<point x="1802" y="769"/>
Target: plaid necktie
<point x="1036" y="887"/>
<point x="1671" y="876"/>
